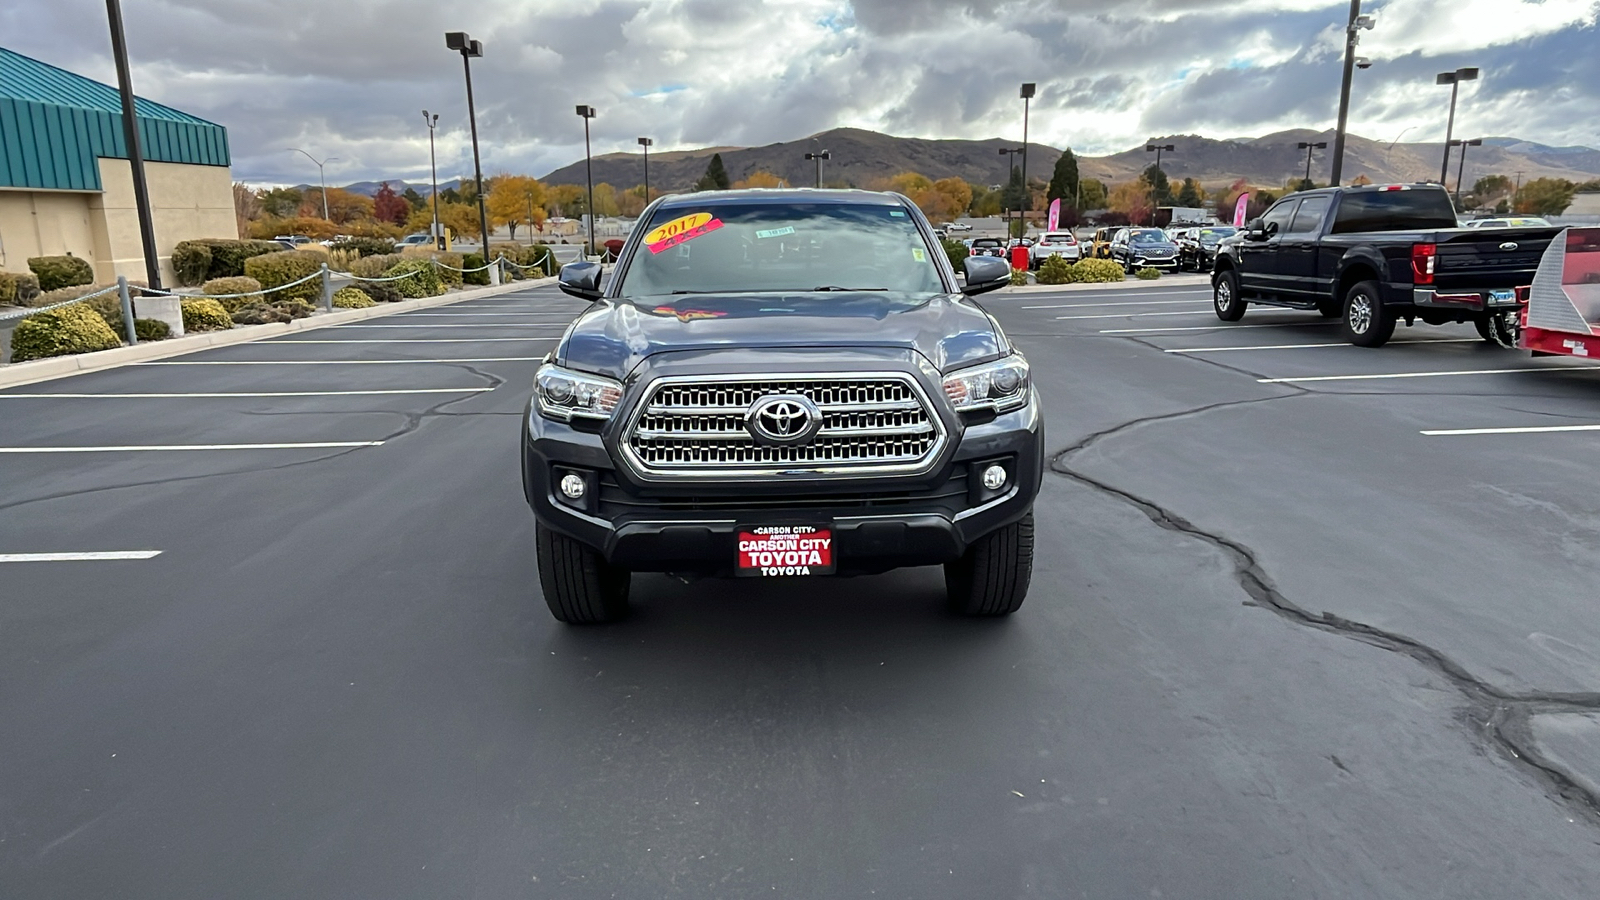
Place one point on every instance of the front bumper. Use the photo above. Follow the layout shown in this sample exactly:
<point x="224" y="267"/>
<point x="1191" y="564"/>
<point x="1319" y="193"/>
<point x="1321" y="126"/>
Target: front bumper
<point x="1158" y="262"/>
<point x="879" y="522"/>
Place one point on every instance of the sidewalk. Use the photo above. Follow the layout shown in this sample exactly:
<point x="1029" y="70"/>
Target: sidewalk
<point x="1187" y="279"/>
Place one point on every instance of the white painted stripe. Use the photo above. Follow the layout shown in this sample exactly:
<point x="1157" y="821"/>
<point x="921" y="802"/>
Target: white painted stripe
<point x="1120" y="293"/>
<point x="458" y="314"/>
<point x="309" y="445"/>
<point x="279" y="342"/>
<point x="1135" y="315"/>
<point x="1421" y="374"/>
<point x="431" y="326"/>
<point x="78" y="557"/>
<point x="1308" y="346"/>
<point x="246" y="394"/>
<point x="1215" y="327"/>
<point x="332" y="362"/>
<point x="1124" y="303"/>
<point x="1541" y="429"/>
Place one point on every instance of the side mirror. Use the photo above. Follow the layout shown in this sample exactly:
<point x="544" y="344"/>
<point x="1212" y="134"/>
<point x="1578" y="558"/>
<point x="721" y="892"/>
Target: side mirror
<point x="1254" y="231"/>
<point x="581" y="279"/>
<point x="985" y="274"/>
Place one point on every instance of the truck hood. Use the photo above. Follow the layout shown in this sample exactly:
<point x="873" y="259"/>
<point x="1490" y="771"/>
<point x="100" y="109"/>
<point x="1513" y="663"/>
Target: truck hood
<point x="615" y="336"/>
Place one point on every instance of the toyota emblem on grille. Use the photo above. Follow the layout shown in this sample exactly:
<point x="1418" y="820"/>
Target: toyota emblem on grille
<point x="783" y="419"/>
<point x="1509" y="245"/>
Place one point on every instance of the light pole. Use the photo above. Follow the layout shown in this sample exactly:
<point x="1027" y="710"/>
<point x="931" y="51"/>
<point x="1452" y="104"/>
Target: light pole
<point x="1308" y="147"/>
<point x="463" y="43"/>
<point x="1158" y="148"/>
<point x="433" y="169"/>
<point x="320" y="180"/>
<point x="1351" y="63"/>
<point x="1027" y="97"/>
<point x="587" y="113"/>
<point x="646" y="143"/>
<point x="817" y="158"/>
<point x="1453" y="79"/>
<point x="130" y="134"/>
<point x="1462" y="168"/>
<point x="1011" y="166"/>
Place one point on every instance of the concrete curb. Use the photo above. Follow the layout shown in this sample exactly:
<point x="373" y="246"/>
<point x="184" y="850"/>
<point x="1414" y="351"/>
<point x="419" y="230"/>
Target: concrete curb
<point x="35" y="371"/>
<point x="1186" y="279"/>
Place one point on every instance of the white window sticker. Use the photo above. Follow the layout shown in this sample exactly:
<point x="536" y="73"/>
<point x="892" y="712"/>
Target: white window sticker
<point x="776" y="232"/>
<point x="918" y="255"/>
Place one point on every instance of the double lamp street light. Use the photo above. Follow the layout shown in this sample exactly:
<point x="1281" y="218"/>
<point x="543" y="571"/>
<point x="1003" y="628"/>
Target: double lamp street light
<point x="463" y="43"/>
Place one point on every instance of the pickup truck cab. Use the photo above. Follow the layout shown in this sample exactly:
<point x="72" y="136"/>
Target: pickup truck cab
<point x="1374" y="254"/>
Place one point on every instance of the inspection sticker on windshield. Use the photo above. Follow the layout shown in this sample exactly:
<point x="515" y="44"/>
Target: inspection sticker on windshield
<point x="775" y="232"/>
<point x="680" y="230"/>
<point x="918" y="255"/>
<point x="785" y="550"/>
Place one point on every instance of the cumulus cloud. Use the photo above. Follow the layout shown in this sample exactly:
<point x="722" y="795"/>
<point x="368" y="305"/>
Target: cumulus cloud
<point x="349" y="79"/>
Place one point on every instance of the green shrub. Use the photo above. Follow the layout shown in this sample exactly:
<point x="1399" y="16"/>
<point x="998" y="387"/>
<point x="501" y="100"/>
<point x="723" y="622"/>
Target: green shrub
<point x="151" y="329"/>
<point x="541" y="256"/>
<point x="957" y="253"/>
<point x="382" y="291"/>
<point x="448" y="264"/>
<point x="364" y="246"/>
<point x="352" y="298"/>
<point x="277" y="269"/>
<point x="228" y="257"/>
<point x="60" y="271"/>
<point x="1147" y="274"/>
<point x="235" y="284"/>
<point x="264" y="313"/>
<point x="1097" y="270"/>
<point x="17" y="289"/>
<point x="60" y="332"/>
<point x="1019" y="277"/>
<point x="204" y="314"/>
<point x="424" y="280"/>
<point x="191" y="261"/>
<point x="375" y="266"/>
<point x="473" y="261"/>
<point x="1055" y="270"/>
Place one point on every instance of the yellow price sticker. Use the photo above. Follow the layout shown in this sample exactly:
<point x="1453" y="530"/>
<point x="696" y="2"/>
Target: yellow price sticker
<point x="676" y="227"/>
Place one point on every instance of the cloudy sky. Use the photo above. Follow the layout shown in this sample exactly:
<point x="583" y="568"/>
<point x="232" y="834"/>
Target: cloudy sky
<point x="349" y="78"/>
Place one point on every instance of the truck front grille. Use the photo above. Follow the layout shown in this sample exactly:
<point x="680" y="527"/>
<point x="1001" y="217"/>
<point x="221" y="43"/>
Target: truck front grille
<point x="696" y="427"/>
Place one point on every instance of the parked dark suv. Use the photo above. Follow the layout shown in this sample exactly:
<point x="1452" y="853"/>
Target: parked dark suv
<point x="1139" y="248"/>
<point x="783" y="384"/>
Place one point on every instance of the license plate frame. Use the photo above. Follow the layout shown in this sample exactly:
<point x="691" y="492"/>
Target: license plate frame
<point x="1506" y="296"/>
<point x="788" y="550"/>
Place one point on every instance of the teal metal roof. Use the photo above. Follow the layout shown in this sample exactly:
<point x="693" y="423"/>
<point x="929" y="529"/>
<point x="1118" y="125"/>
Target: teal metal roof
<point x="54" y="124"/>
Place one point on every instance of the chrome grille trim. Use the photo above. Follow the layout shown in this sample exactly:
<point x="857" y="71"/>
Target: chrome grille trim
<point x="873" y="423"/>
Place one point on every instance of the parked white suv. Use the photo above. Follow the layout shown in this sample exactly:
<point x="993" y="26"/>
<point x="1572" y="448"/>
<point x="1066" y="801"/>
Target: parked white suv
<point x="1054" y="243"/>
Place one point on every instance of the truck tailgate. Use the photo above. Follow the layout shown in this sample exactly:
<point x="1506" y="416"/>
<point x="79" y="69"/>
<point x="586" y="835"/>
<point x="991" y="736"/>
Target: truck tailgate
<point x="1473" y="259"/>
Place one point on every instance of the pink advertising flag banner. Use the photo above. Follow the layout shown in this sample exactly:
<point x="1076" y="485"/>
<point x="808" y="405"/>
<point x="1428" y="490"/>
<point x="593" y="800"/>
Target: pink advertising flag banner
<point x="1238" y="209"/>
<point x="1055" y="214"/>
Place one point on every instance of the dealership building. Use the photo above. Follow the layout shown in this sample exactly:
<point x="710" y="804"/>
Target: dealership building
<point x="66" y="186"/>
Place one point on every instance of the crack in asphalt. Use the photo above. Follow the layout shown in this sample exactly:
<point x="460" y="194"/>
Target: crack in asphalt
<point x="1503" y="718"/>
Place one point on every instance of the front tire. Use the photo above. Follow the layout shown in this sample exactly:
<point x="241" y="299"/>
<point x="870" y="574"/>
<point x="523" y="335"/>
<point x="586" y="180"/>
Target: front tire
<point x="579" y="586"/>
<point x="1225" y="297"/>
<point x="1367" y="323"/>
<point x="991" y="578"/>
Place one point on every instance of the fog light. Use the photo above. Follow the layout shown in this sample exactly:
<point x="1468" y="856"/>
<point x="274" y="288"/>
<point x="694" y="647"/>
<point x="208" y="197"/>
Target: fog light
<point x="994" y="478"/>
<point x="572" y="486"/>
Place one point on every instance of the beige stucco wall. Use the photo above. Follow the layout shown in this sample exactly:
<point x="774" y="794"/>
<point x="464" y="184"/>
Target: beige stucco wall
<point x="186" y="202"/>
<point x="45" y="223"/>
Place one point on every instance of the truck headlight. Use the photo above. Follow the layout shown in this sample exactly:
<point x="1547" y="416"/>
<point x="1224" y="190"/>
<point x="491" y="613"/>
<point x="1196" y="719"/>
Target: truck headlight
<point x="562" y="394"/>
<point x="1001" y="385"/>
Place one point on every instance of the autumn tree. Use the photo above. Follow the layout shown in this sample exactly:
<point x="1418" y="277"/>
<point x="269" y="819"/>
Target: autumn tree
<point x="343" y="206"/>
<point x="1092" y="194"/>
<point x="1132" y="198"/>
<point x="1544" y="197"/>
<point x="716" y="176"/>
<point x="387" y="206"/>
<point x="246" y="207"/>
<point x="761" y="179"/>
<point x="516" y="200"/>
<point x="1064" y="180"/>
<point x="605" y="200"/>
<point x="280" y="203"/>
<point x="565" y="200"/>
<point x="460" y="218"/>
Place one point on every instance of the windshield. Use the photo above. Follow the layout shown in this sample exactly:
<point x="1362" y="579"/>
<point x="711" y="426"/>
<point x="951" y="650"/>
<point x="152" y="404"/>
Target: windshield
<point x="1213" y="235"/>
<point x="1148" y="237"/>
<point x="780" y="247"/>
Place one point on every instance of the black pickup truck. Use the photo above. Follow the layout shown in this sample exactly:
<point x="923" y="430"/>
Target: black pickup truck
<point x="1374" y="254"/>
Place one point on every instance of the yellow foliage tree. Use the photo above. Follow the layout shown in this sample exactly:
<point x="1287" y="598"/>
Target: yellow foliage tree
<point x="563" y="199"/>
<point x="516" y="200"/>
<point x="761" y="179"/>
<point x="1133" y="198"/>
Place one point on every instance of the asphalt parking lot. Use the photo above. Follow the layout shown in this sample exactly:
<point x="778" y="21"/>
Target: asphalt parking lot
<point x="1308" y="621"/>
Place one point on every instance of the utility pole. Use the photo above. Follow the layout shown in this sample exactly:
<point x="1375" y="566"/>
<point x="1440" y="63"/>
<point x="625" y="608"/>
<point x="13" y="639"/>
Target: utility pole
<point x="1027" y="200"/>
<point x="587" y="113"/>
<point x="130" y="134"/>
<point x="461" y="42"/>
<point x="1453" y="79"/>
<point x="1308" y="147"/>
<point x="646" y="143"/>
<point x="1352" y="38"/>
<point x="433" y="169"/>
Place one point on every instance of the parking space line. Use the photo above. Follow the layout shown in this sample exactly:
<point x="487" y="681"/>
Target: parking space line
<point x="78" y="557"/>
<point x="164" y="448"/>
<point x="430" y="325"/>
<point x="1219" y="325"/>
<point x="1134" y="315"/>
<point x="1119" y="293"/>
<point x="1532" y="429"/>
<point x="1421" y="374"/>
<point x="331" y="362"/>
<point x="484" y="340"/>
<point x="245" y="394"/>
<point x="1308" y="346"/>
<point x="459" y="315"/>
<point x="1120" y="303"/>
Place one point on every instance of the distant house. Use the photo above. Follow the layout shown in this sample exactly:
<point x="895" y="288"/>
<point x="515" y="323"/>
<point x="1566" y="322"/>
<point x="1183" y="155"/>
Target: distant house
<point x="66" y="185"/>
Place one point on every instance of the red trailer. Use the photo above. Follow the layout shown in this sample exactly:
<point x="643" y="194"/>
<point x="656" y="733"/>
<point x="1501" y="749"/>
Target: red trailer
<point x="1563" y="311"/>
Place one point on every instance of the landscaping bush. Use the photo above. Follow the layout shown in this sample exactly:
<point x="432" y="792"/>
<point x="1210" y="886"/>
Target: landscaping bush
<point x="957" y="252"/>
<point x="277" y="269"/>
<point x="539" y="255"/>
<point x="237" y="284"/>
<point x="1097" y="270"/>
<point x="375" y="266"/>
<point x="228" y="257"/>
<point x="60" y="332"/>
<point x="473" y="261"/>
<point x="382" y="291"/>
<point x="204" y="314"/>
<point x="1147" y="274"/>
<point x="364" y="246"/>
<point x="448" y="264"/>
<point x="60" y="271"/>
<point x="151" y="329"/>
<point x="264" y="313"/>
<point x="1055" y="270"/>
<point x="191" y="261"/>
<point x="424" y="278"/>
<point x="1019" y="277"/>
<point x="17" y="289"/>
<point x="352" y="298"/>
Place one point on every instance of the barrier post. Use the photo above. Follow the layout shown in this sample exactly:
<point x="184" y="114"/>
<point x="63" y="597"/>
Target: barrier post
<point x="494" y="269"/>
<point x="127" y="310"/>
<point x="327" y="289"/>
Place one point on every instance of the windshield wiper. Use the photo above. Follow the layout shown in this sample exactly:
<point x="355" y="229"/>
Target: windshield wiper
<point x="835" y="287"/>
